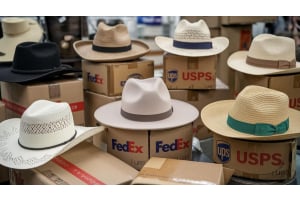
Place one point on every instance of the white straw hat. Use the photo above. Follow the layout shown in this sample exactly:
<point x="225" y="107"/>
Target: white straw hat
<point x="268" y="55"/>
<point x="258" y="113"/>
<point x="192" y="40"/>
<point x="45" y="130"/>
<point x="146" y="105"/>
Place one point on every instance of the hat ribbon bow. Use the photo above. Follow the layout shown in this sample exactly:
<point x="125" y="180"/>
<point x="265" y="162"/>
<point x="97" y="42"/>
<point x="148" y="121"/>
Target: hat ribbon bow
<point x="259" y="129"/>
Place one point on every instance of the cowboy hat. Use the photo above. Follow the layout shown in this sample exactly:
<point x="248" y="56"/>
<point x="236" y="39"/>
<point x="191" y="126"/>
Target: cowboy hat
<point x="258" y="113"/>
<point x="146" y="105"/>
<point x="35" y="61"/>
<point x="15" y="31"/>
<point x="268" y="55"/>
<point x="111" y="43"/>
<point x="192" y="40"/>
<point x="45" y="130"/>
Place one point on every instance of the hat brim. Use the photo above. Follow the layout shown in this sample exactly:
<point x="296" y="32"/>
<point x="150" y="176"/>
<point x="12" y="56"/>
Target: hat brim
<point x="7" y="75"/>
<point x="219" y="45"/>
<point x="214" y="117"/>
<point x="14" y="156"/>
<point x="9" y="42"/>
<point x="84" y="49"/>
<point x="237" y="61"/>
<point x="110" y="115"/>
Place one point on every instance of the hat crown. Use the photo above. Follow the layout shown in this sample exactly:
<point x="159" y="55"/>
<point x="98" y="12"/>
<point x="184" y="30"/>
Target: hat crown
<point x="145" y="97"/>
<point x="112" y="36"/>
<point x="272" y="47"/>
<point x="46" y="124"/>
<point x="256" y="104"/>
<point x="33" y="57"/>
<point x="192" y="32"/>
<point x="14" y="25"/>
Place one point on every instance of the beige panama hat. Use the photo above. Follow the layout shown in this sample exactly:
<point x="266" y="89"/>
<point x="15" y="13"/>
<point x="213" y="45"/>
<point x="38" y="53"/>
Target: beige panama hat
<point x="146" y="105"/>
<point x="45" y="130"/>
<point x="192" y="40"/>
<point x="268" y="55"/>
<point x="111" y="43"/>
<point x="258" y="113"/>
<point x="15" y="31"/>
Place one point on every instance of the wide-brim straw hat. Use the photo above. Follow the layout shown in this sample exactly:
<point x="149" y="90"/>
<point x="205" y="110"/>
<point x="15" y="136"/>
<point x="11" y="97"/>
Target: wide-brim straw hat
<point x="111" y="43"/>
<point x="15" y="31"/>
<point x="258" y="113"/>
<point x="192" y="40"/>
<point x="146" y="105"/>
<point x="268" y="55"/>
<point x="45" y="130"/>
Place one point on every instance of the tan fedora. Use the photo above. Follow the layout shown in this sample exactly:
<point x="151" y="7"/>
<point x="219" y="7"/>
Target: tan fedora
<point x="258" y="113"/>
<point x="15" y="31"/>
<point x="268" y="55"/>
<point x="111" y="43"/>
<point x="192" y="40"/>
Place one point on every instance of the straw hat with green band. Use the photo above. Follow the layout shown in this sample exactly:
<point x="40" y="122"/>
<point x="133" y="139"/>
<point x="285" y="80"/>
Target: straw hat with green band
<point x="258" y="113"/>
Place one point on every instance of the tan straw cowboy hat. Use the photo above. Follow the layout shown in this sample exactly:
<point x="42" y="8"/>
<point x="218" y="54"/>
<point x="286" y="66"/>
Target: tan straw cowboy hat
<point x="111" y="43"/>
<point x="268" y="55"/>
<point x="15" y="31"/>
<point x="258" y="113"/>
<point x="192" y="40"/>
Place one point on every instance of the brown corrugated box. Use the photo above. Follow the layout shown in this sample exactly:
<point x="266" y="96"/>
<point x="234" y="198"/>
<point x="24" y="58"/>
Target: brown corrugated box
<point x="3" y="170"/>
<point x="18" y="97"/>
<point x="165" y="171"/>
<point x="110" y="78"/>
<point x="181" y="72"/>
<point x="82" y="165"/>
<point x="259" y="160"/>
<point x="230" y="20"/>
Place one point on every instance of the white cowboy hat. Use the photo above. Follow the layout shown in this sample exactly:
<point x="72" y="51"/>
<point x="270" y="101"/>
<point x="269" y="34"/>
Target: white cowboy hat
<point x="258" y="113"/>
<point x="45" y="130"/>
<point x="146" y="105"/>
<point x="268" y="55"/>
<point x="15" y="31"/>
<point x="192" y="40"/>
<point x="111" y="43"/>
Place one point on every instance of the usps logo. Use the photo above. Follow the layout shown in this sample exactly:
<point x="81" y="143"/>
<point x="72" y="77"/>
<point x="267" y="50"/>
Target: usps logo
<point x="223" y="151"/>
<point x="172" y="75"/>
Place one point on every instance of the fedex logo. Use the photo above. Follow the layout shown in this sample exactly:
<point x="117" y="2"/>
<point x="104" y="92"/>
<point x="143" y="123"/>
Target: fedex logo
<point x="129" y="146"/>
<point x="172" y="75"/>
<point x="223" y="151"/>
<point x="176" y="145"/>
<point x="94" y="78"/>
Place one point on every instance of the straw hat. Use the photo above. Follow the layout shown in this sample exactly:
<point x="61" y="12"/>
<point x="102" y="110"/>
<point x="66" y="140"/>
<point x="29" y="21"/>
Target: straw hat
<point x="111" y="43"/>
<point x="192" y="40"/>
<point x="268" y="55"/>
<point x="146" y="105"/>
<point x="15" y="31"/>
<point x="35" y="61"/>
<point x="258" y="113"/>
<point x="45" y="130"/>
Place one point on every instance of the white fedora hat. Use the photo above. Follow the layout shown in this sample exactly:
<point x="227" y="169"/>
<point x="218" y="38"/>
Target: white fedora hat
<point x="258" y="113"/>
<point x="45" y="130"/>
<point x="268" y="55"/>
<point x="146" y="105"/>
<point x="192" y="40"/>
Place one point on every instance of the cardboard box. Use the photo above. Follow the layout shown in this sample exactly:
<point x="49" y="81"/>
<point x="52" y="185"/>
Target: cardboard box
<point x="257" y="160"/>
<point x="18" y="97"/>
<point x="211" y="21"/>
<point x="181" y="72"/>
<point x="199" y="99"/>
<point x="82" y="165"/>
<point x="92" y="101"/>
<point x="289" y="84"/>
<point x="110" y="78"/>
<point x="2" y="111"/>
<point x="230" y="20"/>
<point x="3" y="170"/>
<point x="136" y="147"/>
<point x="165" y="171"/>
<point x="240" y="38"/>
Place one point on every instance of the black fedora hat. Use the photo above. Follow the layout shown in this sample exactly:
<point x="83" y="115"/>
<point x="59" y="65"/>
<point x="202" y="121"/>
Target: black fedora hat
<point x="35" y="61"/>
